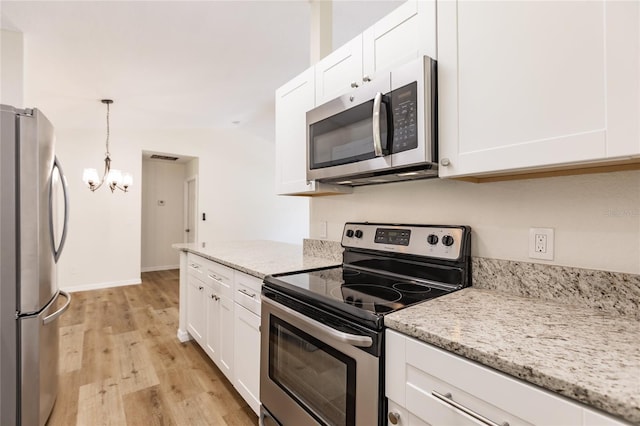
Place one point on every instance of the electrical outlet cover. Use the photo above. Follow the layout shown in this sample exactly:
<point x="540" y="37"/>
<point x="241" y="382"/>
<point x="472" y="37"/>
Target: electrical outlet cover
<point x="538" y="238"/>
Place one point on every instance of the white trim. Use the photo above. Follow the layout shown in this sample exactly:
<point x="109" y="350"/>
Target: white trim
<point x="159" y="268"/>
<point x="99" y="286"/>
<point x="193" y="178"/>
<point x="184" y="336"/>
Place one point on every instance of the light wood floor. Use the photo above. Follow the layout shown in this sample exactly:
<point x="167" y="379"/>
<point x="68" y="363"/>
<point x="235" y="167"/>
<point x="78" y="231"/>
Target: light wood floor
<point x="121" y="363"/>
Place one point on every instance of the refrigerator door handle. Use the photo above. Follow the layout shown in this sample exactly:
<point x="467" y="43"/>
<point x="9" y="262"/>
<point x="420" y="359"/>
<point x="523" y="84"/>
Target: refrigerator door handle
<point x="60" y="311"/>
<point x="58" y="250"/>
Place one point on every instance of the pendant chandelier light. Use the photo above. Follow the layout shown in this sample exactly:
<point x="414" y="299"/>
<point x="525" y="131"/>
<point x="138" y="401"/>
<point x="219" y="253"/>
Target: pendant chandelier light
<point x="113" y="177"/>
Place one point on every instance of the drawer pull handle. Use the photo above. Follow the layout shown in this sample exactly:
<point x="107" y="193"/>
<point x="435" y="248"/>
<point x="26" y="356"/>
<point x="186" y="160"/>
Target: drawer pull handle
<point x="194" y="266"/>
<point x="448" y="399"/>
<point x="246" y="293"/>
<point x="215" y="297"/>
<point x="214" y="277"/>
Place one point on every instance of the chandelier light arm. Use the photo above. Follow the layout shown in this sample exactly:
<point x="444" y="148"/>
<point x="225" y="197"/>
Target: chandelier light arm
<point x="114" y="178"/>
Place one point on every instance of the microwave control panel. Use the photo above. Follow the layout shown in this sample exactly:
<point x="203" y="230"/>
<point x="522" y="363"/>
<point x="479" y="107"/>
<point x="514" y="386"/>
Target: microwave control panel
<point x="404" y="103"/>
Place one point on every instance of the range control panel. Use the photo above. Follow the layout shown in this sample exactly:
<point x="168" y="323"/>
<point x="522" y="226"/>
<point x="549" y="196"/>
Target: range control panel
<point x="443" y="242"/>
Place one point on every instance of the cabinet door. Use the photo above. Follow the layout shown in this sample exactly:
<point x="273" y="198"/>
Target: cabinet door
<point x="339" y="71"/>
<point x="196" y="309"/>
<point x="405" y="34"/>
<point x="214" y="326"/>
<point x="529" y="84"/>
<point x="247" y="363"/>
<point x="293" y="100"/>
<point x="226" y="348"/>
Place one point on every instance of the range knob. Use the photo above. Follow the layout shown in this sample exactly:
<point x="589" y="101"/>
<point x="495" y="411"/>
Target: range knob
<point x="432" y="239"/>
<point x="349" y="233"/>
<point x="358" y="233"/>
<point x="447" y="240"/>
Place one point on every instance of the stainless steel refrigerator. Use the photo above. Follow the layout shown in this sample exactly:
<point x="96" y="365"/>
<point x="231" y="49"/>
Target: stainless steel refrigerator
<point x="33" y="227"/>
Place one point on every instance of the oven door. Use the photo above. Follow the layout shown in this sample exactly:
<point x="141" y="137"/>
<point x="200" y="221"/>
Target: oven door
<point x="311" y="373"/>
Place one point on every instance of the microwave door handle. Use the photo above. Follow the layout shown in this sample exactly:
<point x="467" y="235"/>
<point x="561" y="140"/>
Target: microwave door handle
<point x="377" y="139"/>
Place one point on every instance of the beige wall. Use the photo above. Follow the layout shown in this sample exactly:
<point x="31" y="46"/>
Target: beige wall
<point x="11" y="68"/>
<point x="235" y="189"/>
<point x="162" y="223"/>
<point x="596" y="217"/>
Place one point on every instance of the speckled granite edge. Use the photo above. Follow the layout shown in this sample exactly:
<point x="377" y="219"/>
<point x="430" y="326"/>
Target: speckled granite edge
<point x="580" y="353"/>
<point x="613" y="292"/>
<point x="331" y="250"/>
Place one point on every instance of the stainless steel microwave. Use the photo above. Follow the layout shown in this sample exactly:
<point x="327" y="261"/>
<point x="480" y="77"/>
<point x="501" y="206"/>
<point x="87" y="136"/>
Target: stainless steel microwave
<point x="383" y="131"/>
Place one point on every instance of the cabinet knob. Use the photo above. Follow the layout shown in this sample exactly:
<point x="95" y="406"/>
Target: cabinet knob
<point x="445" y="162"/>
<point x="354" y="84"/>
<point x="200" y="288"/>
<point x="394" y="417"/>
<point x="366" y="78"/>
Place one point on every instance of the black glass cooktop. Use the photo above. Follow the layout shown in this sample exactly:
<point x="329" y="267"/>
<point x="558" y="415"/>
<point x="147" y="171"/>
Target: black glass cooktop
<point x="352" y="290"/>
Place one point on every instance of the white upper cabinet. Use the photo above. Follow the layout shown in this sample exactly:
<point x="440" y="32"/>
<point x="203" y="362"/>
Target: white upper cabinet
<point x="339" y="71"/>
<point x="524" y="85"/>
<point x="406" y="33"/>
<point x="293" y="100"/>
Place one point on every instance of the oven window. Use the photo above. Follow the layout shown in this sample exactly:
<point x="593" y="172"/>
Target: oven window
<point x="320" y="378"/>
<point x="346" y="137"/>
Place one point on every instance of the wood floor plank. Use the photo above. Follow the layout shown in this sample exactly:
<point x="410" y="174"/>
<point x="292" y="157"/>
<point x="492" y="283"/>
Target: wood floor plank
<point x="122" y="364"/>
<point x="65" y="409"/>
<point x="99" y="360"/>
<point x="200" y="410"/>
<point x="100" y="404"/>
<point x="148" y="407"/>
<point x="71" y="344"/>
<point x="136" y="370"/>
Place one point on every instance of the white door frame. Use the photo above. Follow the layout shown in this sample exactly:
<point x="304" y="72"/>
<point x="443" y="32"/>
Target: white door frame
<point x="186" y="208"/>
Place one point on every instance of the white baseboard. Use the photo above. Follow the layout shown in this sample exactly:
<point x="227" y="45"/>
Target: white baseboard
<point x="99" y="286"/>
<point x="183" y="336"/>
<point x="159" y="268"/>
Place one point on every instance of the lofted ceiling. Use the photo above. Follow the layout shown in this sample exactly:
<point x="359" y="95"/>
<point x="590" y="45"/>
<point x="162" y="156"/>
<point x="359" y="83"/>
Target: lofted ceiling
<point x="169" y="65"/>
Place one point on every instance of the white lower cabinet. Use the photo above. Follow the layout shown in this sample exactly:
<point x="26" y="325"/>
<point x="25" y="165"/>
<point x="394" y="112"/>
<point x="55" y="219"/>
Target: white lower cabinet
<point x="247" y="360"/>
<point x="196" y="309"/>
<point x="223" y="316"/>
<point x="426" y="385"/>
<point x="247" y="338"/>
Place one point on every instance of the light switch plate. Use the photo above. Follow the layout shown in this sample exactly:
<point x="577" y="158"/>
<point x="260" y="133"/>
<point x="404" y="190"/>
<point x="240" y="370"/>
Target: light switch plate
<point x="541" y="243"/>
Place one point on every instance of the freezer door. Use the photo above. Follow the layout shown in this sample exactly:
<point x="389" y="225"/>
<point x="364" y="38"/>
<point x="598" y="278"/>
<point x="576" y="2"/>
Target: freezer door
<point x="36" y="167"/>
<point x="39" y="345"/>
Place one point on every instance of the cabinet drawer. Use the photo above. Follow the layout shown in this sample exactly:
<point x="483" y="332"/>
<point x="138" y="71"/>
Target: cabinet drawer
<point x="220" y="277"/>
<point x="247" y="292"/>
<point x="195" y="266"/>
<point x="431" y="372"/>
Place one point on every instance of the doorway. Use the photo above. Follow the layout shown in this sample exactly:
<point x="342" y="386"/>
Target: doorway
<point x="165" y="190"/>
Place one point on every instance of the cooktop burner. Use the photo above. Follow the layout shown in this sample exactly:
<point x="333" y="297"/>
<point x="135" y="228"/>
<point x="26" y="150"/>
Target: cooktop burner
<point x="376" y="293"/>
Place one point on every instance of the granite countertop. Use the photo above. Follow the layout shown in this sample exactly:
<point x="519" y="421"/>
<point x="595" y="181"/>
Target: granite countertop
<point x="581" y="353"/>
<point x="260" y="257"/>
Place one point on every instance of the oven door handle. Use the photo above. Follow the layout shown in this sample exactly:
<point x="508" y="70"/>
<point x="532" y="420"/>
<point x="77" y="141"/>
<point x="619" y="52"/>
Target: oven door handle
<point x="350" y="339"/>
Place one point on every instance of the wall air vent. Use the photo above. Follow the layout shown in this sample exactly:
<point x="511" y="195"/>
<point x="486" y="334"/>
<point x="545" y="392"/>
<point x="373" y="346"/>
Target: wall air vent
<point x="163" y="157"/>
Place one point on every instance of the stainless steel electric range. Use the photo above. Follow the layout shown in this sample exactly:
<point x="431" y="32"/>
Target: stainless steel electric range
<point x="322" y="348"/>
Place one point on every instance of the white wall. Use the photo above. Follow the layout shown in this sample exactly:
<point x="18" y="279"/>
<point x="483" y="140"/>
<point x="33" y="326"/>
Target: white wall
<point x="236" y="188"/>
<point x="11" y="68"/>
<point x="162" y="223"/>
<point x="596" y="217"/>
